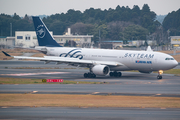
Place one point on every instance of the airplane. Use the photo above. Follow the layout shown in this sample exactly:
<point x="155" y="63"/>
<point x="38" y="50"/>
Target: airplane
<point x="101" y="62"/>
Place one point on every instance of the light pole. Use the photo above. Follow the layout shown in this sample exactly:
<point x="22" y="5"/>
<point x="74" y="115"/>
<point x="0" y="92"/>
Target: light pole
<point x="99" y="39"/>
<point x="11" y="29"/>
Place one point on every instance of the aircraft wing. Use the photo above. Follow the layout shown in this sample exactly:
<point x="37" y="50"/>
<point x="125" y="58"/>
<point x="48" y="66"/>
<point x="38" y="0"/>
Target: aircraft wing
<point x="71" y="61"/>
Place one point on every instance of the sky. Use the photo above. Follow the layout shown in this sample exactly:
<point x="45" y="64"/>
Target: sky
<point x="49" y="7"/>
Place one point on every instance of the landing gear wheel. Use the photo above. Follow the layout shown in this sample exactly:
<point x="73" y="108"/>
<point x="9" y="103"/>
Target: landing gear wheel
<point x="115" y="74"/>
<point x="119" y="74"/>
<point x="159" y="77"/>
<point x="160" y="72"/>
<point x="89" y="75"/>
<point x="111" y="74"/>
<point x="85" y="75"/>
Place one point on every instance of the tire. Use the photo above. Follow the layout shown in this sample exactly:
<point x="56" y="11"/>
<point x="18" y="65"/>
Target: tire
<point x="111" y="74"/>
<point x="85" y="75"/>
<point x="119" y="74"/>
<point x="115" y="74"/>
<point x="159" y="77"/>
<point x="89" y="75"/>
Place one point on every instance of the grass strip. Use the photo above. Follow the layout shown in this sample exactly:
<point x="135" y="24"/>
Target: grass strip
<point x="172" y="71"/>
<point x="54" y="100"/>
<point x="39" y="81"/>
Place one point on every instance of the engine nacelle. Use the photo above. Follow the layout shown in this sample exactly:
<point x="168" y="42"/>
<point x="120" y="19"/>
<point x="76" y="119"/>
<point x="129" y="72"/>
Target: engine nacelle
<point x="100" y="69"/>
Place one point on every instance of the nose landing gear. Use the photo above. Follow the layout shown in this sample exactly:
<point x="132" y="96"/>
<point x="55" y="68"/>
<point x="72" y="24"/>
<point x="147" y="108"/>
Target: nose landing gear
<point x="160" y="72"/>
<point x="159" y="77"/>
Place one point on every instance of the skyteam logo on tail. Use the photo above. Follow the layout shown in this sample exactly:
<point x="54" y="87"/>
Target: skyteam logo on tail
<point x="40" y="31"/>
<point x="72" y="54"/>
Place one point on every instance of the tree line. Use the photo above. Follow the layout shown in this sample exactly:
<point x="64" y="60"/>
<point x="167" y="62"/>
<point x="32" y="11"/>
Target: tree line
<point x="171" y="23"/>
<point x="121" y="23"/>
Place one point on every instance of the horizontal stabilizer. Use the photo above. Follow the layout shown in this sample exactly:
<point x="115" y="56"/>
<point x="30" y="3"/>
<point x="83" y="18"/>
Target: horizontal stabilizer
<point x="6" y="54"/>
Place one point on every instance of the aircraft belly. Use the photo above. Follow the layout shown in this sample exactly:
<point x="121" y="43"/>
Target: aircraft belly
<point x="144" y="68"/>
<point x="119" y="68"/>
<point x="139" y="64"/>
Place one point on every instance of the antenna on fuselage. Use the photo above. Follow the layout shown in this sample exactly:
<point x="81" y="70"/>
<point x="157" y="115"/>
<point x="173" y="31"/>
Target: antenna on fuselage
<point x="149" y="49"/>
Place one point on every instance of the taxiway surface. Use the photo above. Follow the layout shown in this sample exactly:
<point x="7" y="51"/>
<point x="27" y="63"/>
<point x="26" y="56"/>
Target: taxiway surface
<point x="131" y="83"/>
<point x="53" y="113"/>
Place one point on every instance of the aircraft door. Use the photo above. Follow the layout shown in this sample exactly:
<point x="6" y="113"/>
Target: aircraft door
<point x="154" y="65"/>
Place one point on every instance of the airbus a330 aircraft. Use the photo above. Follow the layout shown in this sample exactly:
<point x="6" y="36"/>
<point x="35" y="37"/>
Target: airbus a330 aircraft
<point x="99" y="61"/>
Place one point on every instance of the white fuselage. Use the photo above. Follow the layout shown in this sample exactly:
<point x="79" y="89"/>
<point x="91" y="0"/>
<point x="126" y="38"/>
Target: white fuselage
<point x="144" y="61"/>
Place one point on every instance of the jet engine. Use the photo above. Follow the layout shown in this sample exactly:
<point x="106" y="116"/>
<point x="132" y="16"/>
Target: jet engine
<point x="100" y="69"/>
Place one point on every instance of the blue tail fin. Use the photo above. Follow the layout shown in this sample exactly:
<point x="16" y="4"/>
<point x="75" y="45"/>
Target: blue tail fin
<point x="43" y="35"/>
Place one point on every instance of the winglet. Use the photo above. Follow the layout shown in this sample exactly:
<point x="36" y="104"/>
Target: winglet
<point x="6" y="54"/>
<point x="149" y="49"/>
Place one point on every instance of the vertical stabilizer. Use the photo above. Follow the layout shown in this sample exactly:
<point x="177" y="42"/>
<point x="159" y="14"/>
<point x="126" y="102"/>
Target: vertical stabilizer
<point x="43" y="35"/>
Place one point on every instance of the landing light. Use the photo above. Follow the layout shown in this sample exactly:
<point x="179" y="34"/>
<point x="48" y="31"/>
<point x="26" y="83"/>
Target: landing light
<point x="160" y="72"/>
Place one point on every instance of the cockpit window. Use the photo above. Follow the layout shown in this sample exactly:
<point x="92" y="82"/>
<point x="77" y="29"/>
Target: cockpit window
<point x="169" y="59"/>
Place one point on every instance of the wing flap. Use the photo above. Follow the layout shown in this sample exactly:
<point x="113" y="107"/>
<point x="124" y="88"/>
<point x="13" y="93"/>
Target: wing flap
<point x="67" y="60"/>
<point x="70" y="60"/>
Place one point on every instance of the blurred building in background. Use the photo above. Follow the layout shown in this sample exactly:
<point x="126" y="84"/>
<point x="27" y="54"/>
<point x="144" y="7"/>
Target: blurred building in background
<point x="175" y="41"/>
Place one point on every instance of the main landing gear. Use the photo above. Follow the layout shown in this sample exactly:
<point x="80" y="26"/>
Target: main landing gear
<point x="160" y="72"/>
<point x="89" y="75"/>
<point x="115" y="74"/>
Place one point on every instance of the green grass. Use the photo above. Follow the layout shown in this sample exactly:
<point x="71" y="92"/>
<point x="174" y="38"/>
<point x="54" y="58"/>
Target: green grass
<point x="171" y="71"/>
<point x="39" y="81"/>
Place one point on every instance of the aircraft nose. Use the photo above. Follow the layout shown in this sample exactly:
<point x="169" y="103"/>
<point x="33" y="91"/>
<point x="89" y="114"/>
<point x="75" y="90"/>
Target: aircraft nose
<point x="175" y="63"/>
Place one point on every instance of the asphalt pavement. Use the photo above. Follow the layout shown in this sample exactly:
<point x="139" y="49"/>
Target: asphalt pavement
<point x="131" y="83"/>
<point x="63" y="113"/>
